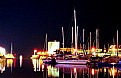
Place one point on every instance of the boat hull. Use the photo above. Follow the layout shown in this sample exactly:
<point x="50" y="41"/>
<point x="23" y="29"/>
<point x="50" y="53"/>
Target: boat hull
<point x="75" y="62"/>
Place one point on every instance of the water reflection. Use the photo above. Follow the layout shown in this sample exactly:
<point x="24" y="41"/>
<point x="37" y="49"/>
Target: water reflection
<point x="58" y="71"/>
<point x="2" y="65"/>
<point x="75" y="71"/>
<point x="37" y="64"/>
<point x="9" y="62"/>
<point x="49" y="71"/>
<point x="21" y="60"/>
<point x="53" y="71"/>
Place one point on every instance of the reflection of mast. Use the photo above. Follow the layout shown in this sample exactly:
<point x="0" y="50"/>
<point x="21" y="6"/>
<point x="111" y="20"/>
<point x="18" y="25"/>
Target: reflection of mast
<point x="75" y="72"/>
<point x="113" y="72"/>
<point x="63" y="72"/>
<point x="88" y="72"/>
<point x="71" y="73"/>
<point x="83" y="73"/>
<point x="11" y="66"/>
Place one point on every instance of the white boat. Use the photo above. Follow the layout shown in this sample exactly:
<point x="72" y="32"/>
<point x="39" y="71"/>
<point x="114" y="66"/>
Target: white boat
<point x="73" y="62"/>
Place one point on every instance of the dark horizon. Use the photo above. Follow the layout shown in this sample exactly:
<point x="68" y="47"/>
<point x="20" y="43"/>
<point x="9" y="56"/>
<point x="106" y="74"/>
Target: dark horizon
<point x="25" y="22"/>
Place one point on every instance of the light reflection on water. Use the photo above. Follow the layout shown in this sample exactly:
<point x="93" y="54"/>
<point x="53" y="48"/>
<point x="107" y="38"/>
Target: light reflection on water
<point x="2" y="65"/>
<point x="76" y="71"/>
<point x="8" y="63"/>
<point x="41" y="70"/>
<point x="21" y="60"/>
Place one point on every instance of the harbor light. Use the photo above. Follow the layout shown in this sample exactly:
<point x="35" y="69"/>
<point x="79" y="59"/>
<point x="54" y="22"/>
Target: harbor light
<point x="35" y="51"/>
<point x="93" y="49"/>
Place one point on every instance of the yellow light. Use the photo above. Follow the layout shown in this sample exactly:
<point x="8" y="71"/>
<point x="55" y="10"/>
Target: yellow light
<point x="9" y="62"/>
<point x="93" y="49"/>
<point x="42" y="52"/>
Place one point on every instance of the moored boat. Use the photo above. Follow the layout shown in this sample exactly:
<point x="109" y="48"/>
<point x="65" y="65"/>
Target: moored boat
<point x="73" y="62"/>
<point x="104" y="62"/>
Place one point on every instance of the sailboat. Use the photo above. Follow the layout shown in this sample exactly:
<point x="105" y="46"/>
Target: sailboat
<point x="58" y="61"/>
<point x="10" y="55"/>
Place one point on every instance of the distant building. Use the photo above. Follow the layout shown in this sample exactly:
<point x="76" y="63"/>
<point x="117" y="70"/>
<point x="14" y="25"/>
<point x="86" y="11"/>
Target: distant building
<point x="53" y="46"/>
<point x="2" y="51"/>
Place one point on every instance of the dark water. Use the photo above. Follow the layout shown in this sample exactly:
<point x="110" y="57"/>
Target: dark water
<point x="28" y="68"/>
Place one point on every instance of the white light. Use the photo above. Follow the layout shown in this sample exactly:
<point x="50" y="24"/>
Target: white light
<point x="2" y="51"/>
<point x="113" y="63"/>
<point x="20" y="60"/>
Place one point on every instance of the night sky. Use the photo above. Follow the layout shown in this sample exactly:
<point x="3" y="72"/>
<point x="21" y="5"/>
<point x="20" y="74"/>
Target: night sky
<point x="25" y="22"/>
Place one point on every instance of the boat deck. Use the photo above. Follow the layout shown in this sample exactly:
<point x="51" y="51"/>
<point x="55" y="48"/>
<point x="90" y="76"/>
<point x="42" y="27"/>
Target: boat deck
<point x="77" y="62"/>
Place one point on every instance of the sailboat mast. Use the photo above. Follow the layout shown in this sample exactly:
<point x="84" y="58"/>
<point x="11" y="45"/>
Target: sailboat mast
<point x="46" y="42"/>
<point x="11" y="48"/>
<point x="97" y="38"/>
<point x="77" y="38"/>
<point x="72" y="38"/>
<point x="63" y="36"/>
<point x="117" y="42"/>
<point x="90" y="42"/>
<point x="75" y="31"/>
<point x="83" y="39"/>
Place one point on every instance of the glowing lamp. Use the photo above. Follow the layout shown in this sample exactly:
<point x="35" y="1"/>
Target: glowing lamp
<point x="93" y="49"/>
<point x="35" y="51"/>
